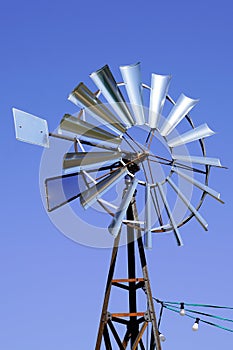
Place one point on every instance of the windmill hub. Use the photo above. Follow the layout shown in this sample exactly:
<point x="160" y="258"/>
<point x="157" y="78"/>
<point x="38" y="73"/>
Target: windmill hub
<point x="132" y="166"/>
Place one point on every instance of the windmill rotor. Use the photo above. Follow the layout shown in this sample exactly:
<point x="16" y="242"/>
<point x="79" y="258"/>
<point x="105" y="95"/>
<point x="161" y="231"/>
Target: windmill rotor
<point x="112" y="127"/>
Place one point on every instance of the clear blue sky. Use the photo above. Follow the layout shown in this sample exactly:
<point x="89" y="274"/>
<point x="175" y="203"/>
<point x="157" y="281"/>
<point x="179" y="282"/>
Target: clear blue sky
<point x="52" y="288"/>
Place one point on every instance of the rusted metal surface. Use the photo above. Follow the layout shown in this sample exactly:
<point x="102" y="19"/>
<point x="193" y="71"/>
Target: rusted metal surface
<point x="140" y="334"/>
<point x="107" y="293"/>
<point x="128" y="280"/>
<point x="128" y="314"/>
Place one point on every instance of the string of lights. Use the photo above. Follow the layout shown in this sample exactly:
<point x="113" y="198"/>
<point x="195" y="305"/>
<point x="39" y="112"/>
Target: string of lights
<point x="181" y="308"/>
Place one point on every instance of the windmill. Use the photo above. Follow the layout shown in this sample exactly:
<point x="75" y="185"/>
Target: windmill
<point x="116" y="139"/>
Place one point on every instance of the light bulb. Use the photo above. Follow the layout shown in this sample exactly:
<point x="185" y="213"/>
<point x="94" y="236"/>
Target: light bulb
<point x="196" y="325"/>
<point x="182" y="310"/>
<point x="162" y="337"/>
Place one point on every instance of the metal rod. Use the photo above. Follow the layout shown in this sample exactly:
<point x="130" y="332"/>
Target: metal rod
<point x="107" y="339"/>
<point x="140" y="334"/>
<point x="136" y="143"/>
<point x="142" y="345"/>
<point x="126" y="339"/>
<point x="120" y="320"/>
<point x="115" y="334"/>
<point x="160" y="315"/>
<point x="120" y="285"/>
<point x="85" y="142"/>
<point x="128" y="280"/>
<point x="128" y="314"/>
<point x="179" y="165"/>
<point x="156" y="205"/>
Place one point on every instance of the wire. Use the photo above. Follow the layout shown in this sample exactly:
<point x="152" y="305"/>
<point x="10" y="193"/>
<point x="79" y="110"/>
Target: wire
<point x="204" y="314"/>
<point x="204" y="321"/>
<point x="160" y="315"/>
<point x="173" y="306"/>
<point x="201" y="305"/>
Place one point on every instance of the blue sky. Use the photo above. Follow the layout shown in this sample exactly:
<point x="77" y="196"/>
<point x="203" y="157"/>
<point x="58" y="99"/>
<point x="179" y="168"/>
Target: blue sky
<point x="51" y="287"/>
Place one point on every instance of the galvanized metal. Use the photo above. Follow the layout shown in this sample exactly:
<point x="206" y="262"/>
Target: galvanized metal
<point x="105" y="81"/>
<point x="116" y="223"/>
<point x="199" y="160"/>
<point x="131" y="75"/>
<point x="159" y="90"/>
<point x="84" y="98"/>
<point x="196" y="134"/>
<point x="183" y="105"/>
<point x="31" y="129"/>
<point x="87" y="130"/>
<point x="61" y="190"/>
<point x="198" y="184"/>
<point x="170" y="216"/>
<point x="162" y="228"/>
<point x="147" y="234"/>
<point x="198" y="216"/>
<point x="76" y="162"/>
<point x="92" y="194"/>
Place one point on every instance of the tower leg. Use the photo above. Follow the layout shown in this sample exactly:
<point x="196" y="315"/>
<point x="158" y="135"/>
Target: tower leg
<point x="133" y="325"/>
<point x="134" y="321"/>
<point x="104" y="312"/>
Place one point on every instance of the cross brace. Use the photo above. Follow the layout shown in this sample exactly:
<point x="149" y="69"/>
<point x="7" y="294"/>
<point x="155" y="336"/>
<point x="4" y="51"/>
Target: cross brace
<point x="134" y="321"/>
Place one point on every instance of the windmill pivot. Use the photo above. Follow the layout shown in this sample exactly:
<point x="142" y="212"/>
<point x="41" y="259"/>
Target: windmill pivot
<point x="108" y="316"/>
<point x="132" y="166"/>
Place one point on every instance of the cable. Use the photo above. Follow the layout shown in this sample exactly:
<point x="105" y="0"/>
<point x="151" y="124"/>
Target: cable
<point x="201" y="305"/>
<point x="204" y="321"/>
<point x="204" y="314"/>
<point x="172" y="307"/>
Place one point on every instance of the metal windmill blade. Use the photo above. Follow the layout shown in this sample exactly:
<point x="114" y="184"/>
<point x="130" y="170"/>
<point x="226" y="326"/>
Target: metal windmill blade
<point x="79" y="161"/>
<point x="61" y="190"/>
<point x="199" y="160"/>
<point x="92" y="194"/>
<point x="182" y="107"/>
<point x="84" y="98"/>
<point x="196" y="134"/>
<point x="105" y="81"/>
<point x="87" y="130"/>
<point x="131" y="75"/>
<point x="159" y="90"/>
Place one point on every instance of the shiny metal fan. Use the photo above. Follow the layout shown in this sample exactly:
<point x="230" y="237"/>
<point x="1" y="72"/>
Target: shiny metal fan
<point x="114" y="139"/>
